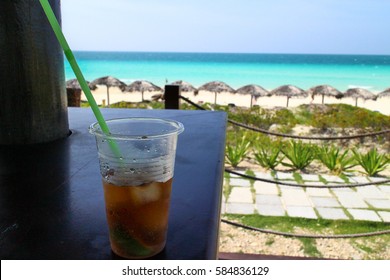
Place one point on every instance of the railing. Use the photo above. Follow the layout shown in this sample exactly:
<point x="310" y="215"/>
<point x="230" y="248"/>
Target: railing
<point x="172" y="96"/>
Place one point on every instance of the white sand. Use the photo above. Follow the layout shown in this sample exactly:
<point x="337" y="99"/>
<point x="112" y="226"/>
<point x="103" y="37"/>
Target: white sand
<point x="116" y="95"/>
<point x="381" y="105"/>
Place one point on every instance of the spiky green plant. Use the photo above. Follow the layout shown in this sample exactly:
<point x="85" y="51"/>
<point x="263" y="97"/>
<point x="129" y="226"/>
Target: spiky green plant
<point x="268" y="157"/>
<point x="334" y="159"/>
<point x="372" y="161"/>
<point x="237" y="153"/>
<point x="299" y="154"/>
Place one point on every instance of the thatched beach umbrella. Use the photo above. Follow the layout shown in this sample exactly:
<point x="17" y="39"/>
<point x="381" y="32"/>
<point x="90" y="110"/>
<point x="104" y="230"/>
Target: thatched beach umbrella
<point x="360" y="93"/>
<point x="74" y="84"/>
<point x="385" y="93"/>
<point x="324" y="90"/>
<point x="186" y="87"/>
<point x="254" y="91"/>
<point x="108" y="81"/>
<point x="290" y="92"/>
<point x="216" y="87"/>
<point x="142" y="86"/>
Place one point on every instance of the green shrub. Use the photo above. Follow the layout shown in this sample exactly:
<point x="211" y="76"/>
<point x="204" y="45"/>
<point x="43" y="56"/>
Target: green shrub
<point x="261" y="118"/>
<point x="299" y="154"/>
<point x="372" y="162"/>
<point x="237" y="153"/>
<point x="343" y="116"/>
<point x="334" y="159"/>
<point x="284" y="116"/>
<point x="268" y="156"/>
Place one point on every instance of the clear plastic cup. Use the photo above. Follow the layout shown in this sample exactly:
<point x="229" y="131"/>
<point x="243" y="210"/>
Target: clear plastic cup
<point x="137" y="179"/>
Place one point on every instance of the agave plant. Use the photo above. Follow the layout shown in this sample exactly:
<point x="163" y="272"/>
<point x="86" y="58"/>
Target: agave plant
<point x="299" y="154"/>
<point x="268" y="156"/>
<point x="334" y="159"/>
<point x="372" y="162"/>
<point x="236" y="154"/>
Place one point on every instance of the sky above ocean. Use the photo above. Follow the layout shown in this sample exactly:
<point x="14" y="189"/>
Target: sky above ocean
<point x="245" y="26"/>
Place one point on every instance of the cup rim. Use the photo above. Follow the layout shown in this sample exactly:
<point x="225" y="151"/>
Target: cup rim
<point x="177" y="128"/>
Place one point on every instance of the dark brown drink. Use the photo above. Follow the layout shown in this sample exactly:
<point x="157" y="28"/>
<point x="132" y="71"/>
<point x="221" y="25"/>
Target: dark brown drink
<point x="137" y="218"/>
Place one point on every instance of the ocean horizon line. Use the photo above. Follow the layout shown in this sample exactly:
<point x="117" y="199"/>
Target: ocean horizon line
<point x="229" y="52"/>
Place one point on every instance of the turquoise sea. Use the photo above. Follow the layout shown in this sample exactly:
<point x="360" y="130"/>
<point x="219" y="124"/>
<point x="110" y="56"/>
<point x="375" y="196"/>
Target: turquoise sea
<point x="267" y="70"/>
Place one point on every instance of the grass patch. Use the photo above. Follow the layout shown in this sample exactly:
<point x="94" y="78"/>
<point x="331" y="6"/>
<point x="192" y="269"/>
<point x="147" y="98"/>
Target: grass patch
<point x="373" y="247"/>
<point x="344" y="178"/>
<point x="322" y="180"/>
<point x="364" y="248"/>
<point x="270" y="241"/>
<point x="309" y="247"/>
<point x="250" y="172"/>
<point x="252" y="183"/>
<point x="227" y="189"/>
<point x="322" y="117"/>
<point x="342" y="116"/>
<point x="290" y="224"/>
<point x="298" y="178"/>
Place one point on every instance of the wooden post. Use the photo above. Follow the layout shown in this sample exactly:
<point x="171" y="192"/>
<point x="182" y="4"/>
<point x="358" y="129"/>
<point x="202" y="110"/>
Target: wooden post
<point x="171" y="96"/>
<point x="33" y="101"/>
<point x="74" y="97"/>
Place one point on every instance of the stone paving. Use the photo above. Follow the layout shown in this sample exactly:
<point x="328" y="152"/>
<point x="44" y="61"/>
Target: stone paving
<point x="368" y="203"/>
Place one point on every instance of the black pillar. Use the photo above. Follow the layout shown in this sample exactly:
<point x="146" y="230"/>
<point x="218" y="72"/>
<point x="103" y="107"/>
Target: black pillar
<point x="33" y="102"/>
<point x="171" y="96"/>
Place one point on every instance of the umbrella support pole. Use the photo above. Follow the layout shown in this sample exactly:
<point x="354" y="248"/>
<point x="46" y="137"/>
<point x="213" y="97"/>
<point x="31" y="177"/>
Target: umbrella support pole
<point x="108" y="96"/>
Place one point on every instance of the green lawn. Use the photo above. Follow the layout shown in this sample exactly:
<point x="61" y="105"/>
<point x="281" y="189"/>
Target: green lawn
<point x="372" y="247"/>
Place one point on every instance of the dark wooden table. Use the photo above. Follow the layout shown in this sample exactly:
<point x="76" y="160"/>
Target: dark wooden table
<point x="51" y="197"/>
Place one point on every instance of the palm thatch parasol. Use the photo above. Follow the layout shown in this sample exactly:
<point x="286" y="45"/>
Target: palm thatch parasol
<point x="255" y="91"/>
<point x="216" y="87"/>
<point x="142" y="86"/>
<point x="108" y="81"/>
<point x="290" y="92"/>
<point x="186" y="87"/>
<point x="74" y="84"/>
<point x="360" y="93"/>
<point x="324" y="90"/>
<point x="385" y="93"/>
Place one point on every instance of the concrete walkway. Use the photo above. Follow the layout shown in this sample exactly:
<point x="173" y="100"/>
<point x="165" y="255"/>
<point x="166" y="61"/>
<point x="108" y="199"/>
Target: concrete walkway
<point x="369" y="203"/>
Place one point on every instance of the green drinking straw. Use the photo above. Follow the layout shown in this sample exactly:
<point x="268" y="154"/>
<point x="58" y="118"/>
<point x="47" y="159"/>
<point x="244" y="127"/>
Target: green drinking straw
<point x="76" y="69"/>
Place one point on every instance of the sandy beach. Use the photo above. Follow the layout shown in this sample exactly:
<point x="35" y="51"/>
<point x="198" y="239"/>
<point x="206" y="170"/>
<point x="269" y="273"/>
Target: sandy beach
<point x="381" y="105"/>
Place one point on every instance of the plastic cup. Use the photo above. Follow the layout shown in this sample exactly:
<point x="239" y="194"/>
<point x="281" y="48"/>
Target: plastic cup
<point x="137" y="182"/>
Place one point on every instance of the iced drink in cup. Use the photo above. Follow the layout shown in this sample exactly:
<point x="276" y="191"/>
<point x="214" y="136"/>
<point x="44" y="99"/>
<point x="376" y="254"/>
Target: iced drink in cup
<point x="137" y="179"/>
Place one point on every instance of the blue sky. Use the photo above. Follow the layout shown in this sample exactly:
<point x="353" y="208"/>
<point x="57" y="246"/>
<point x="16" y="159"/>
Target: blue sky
<point x="254" y="26"/>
